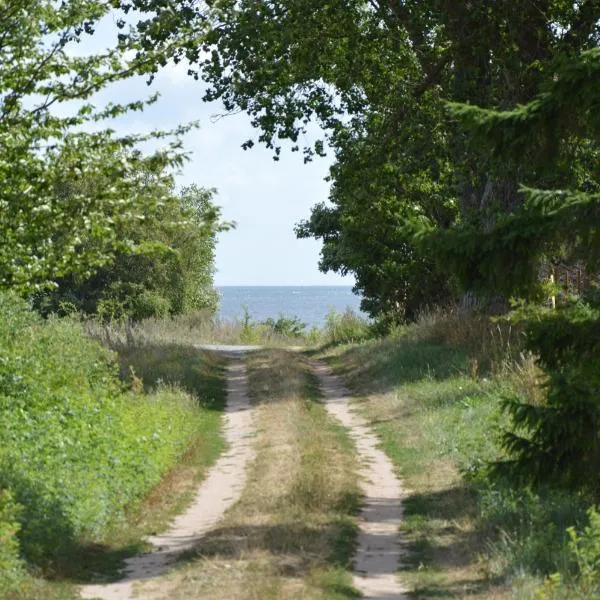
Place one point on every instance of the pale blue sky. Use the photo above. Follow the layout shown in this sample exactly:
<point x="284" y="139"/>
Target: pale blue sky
<point x="265" y="198"/>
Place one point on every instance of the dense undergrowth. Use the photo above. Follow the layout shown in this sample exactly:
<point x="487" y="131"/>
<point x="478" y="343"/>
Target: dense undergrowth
<point x="79" y="448"/>
<point x="434" y="393"/>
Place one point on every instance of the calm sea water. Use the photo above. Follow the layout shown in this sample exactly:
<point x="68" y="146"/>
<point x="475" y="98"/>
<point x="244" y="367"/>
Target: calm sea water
<point x="310" y="303"/>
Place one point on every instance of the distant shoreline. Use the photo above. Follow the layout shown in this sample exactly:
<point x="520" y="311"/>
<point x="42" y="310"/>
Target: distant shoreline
<point x="260" y="285"/>
<point x="309" y="303"/>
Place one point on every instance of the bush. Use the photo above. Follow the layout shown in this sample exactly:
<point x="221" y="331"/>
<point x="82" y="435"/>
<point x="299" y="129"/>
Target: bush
<point x="584" y="548"/>
<point x="77" y="448"/>
<point x="286" y="326"/>
<point x="150" y="305"/>
<point x="169" y="272"/>
<point x="346" y="327"/>
<point x="11" y="567"/>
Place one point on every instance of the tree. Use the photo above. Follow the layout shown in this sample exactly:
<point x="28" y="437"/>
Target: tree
<point x="196" y="242"/>
<point x="376" y="76"/>
<point x="169" y="272"/>
<point x="51" y="134"/>
<point x="363" y="229"/>
<point x="557" y="441"/>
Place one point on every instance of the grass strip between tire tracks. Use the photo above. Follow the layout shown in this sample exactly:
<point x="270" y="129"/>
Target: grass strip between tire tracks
<point x="292" y="534"/>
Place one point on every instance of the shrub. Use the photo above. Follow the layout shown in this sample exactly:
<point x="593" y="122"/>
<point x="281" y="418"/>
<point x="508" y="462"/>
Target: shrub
<point x="77" y="448"/>
<point x="286" y="326"/>
<point x="584" y="548"/>
<point x="11" y="567"/>
<point x="150" y="305"/>
<point x="342" y="328"/>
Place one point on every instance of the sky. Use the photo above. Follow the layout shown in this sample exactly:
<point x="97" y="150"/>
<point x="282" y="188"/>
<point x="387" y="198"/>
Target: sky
<point x="265" y="198"/>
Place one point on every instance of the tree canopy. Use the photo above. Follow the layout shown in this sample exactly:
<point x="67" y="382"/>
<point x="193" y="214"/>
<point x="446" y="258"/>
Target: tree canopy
<point x="377" y="78"/>
<point x="52" y="134"/>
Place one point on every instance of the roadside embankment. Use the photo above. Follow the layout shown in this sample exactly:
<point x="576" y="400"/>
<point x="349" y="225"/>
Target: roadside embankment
<point x="81" y="452"/>
<point x="436" y="407"/>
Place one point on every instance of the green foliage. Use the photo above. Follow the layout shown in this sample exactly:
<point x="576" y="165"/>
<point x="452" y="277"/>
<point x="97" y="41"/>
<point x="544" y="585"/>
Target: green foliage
<point x="376" y="77"/>
<point x="52" y="135"/>
<point x="247" y="333"/>
<point x="434" y="418"/>
<point x="585" y="547"/>
<point x="149" y="304"/>
<point x="77" y="449"/>
<point x="286" y="326"/>
<point x="170" y="271"/>
<point x="507" y="258"/>
<point x="561" y="125"/>
<point x="559" y="439"/>
<point x="376" y="188"/>
<point x="395" y="280"/>
<point x="570" y="101"/>
<point x="281" y="329"/>
<point x="11" y="567"/>
<point x="346" y="327"/>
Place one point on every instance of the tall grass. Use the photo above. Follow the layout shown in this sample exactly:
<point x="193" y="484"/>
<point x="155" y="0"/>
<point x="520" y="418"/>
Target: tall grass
<point x="346" y="327"/>
<point x="204" y="328"/>
<point x="195" y="328"/>
<point x="492" y="344"/>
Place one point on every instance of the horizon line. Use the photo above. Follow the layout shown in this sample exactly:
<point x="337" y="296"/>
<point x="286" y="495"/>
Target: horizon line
<point x="283" y="285"/>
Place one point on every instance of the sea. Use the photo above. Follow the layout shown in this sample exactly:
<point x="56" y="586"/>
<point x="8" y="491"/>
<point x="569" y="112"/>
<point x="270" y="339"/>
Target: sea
<point x="309" y="303"/>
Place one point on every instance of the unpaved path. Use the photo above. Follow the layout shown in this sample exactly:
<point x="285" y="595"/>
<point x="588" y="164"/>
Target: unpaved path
<point x="215" y="495"/>
<point x="378" y="553"/>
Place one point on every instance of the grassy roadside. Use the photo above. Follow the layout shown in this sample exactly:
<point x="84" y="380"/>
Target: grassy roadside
<point x="202" y="375"/>
<point x="151" y="369"/>
<point x="415" y="397"/>
<point x="439" y="420"/>
<point x="291" y="535"/>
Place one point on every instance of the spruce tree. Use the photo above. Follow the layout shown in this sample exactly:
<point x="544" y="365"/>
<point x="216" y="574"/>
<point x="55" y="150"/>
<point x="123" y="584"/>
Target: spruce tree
<point x="557" y="441"/>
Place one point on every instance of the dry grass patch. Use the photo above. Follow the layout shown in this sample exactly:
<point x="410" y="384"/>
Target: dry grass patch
<point x="292" y="533"/>
<point x="194" y="328"/>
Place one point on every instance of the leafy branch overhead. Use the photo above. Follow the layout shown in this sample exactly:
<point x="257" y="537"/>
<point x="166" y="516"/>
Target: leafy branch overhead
<point x="374" y="80"/>
<point x="51" y="134"/>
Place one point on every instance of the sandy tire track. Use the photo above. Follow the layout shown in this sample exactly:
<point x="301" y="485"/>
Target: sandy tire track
<point x="378" y="555"/>
<point x="221" y="488"/>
